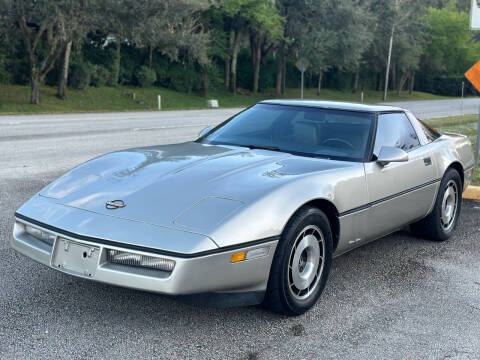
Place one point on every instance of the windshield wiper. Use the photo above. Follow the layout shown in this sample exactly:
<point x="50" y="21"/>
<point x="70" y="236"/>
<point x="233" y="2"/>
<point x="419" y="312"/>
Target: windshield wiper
<point x="262" y="147"/>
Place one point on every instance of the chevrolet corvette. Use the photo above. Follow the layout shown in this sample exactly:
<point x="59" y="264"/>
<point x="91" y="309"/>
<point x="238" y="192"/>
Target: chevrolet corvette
<point x="256" y="208"/>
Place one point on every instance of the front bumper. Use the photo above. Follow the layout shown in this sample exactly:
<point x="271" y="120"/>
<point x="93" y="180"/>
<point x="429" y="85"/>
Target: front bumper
<point x="192" y="274"/>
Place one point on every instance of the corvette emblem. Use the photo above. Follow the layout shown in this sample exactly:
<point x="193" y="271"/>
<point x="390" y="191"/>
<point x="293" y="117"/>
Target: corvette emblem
<point x="115" y="204"/>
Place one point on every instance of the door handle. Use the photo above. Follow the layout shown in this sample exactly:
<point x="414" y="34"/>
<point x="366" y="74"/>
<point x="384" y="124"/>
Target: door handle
<point x="427" y="161"/>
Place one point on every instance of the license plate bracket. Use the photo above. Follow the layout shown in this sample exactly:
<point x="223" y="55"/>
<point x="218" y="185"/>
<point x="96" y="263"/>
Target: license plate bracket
<point x="75" y="258"/>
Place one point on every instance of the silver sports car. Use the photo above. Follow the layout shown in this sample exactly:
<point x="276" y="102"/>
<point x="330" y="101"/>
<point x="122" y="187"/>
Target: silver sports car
<point x="256" y="208"/>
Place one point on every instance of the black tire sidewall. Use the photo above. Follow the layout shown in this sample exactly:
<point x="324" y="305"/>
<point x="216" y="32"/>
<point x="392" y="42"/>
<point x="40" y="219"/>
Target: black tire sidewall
<point x="451" y="174"/>
<point x="304" y="218"/>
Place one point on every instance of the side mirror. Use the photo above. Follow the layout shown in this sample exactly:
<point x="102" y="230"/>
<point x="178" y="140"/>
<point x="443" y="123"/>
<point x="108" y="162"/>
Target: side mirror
<point x="205" y="131"/>
<point x="390" y="154"/>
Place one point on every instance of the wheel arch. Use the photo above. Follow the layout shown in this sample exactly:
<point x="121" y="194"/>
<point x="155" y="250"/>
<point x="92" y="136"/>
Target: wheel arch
<point x="457" y="166"/>
<point x="331" y="212"/>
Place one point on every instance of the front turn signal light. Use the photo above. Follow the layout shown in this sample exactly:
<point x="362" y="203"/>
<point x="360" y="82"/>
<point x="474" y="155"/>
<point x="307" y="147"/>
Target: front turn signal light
<point x="239" y="256"/>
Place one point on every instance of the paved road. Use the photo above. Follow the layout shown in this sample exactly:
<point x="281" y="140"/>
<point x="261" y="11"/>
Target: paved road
<point x="429" y="109"/>
<point x="398" y="298"/>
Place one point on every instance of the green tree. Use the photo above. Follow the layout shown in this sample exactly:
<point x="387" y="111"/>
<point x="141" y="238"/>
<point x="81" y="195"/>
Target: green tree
<point x="257" y="18"/>
<point x="170" y="26"/>
<point x="265" y="28"/>
<point x="44" y="27"/>
<point x="450" y="48"/>
<point x="80" y="22"/>
<point x="117" y="18"/>
<point x="336" y="34"/>
<point x="393" y="18"/>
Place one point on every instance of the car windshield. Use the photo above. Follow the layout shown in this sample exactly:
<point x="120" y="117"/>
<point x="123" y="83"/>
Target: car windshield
<point x="306" y="131"/>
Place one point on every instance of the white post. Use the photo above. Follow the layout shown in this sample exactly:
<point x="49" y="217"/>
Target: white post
<point x="463" y="89"/>
<point x="389" y="60"/>
<point x="133" y="96"/>
<point x="159" y="102"/>
<point x="362" y="97"/>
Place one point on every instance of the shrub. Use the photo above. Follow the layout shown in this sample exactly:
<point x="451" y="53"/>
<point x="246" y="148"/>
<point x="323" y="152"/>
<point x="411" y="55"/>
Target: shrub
<point x="183" y="78"/>
<point x="100" y="76"/>
<point x="145" y="76"/>
<point x="4" y="76"/>
<point x="446" y="85"/>
<point x="80" y="75"/>
<point x="452" y="86"/>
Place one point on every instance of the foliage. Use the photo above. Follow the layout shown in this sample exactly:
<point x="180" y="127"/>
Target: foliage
<point x="337" y="34"/>
<point x="145" y="76"/>
<point x="190" y="45"/>
<point x="448" y="85"/>
<point x="4" y="75"/>
<point x="450" y="49"/>
<point x="100" y="76"/>
<point x="80" y="75"/>
<point x="45" y="28"/>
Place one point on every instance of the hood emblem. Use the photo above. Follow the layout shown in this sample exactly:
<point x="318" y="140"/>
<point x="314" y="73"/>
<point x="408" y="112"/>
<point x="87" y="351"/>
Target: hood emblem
<point x="115" y="204"/>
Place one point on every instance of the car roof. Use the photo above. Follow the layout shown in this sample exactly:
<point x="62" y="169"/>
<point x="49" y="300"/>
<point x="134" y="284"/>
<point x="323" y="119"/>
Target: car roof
<point x="336" y="105"/>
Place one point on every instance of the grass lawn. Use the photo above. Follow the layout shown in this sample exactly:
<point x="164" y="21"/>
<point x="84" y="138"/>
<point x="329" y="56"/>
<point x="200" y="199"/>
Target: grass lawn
<point x="14" y="99"/>
<point x="466" y="125"/>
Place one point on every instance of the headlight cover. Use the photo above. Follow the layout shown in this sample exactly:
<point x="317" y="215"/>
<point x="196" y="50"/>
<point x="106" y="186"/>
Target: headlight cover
<point x="140" y="261"/>
<point x="41" y="235"/>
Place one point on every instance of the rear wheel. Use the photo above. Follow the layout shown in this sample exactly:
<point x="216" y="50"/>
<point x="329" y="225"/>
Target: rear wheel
<point x="301" y="263"/>
<point x="440" y="224"/>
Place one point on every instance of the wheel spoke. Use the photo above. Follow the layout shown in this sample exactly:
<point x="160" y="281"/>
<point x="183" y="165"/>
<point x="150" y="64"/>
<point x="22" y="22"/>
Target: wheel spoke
<point x="306" y="262"/>
<point x="449" y="206"/>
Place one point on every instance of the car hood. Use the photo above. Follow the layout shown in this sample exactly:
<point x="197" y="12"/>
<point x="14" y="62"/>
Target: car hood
<point x="160" y="185"/>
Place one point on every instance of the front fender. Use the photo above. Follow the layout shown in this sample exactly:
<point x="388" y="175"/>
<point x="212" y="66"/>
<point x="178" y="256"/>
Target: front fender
<point x="267" y="216"/>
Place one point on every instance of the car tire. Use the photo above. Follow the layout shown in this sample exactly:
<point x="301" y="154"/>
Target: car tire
<point x="441" y="222"/>
<point x="301" y="263"/>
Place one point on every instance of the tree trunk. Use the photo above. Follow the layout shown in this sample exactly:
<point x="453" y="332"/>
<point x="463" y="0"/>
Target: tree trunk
<point x="257" y="59"/>
<point x="63" y="76"/>
<point x="205" y="84"/>
<point x="402" y="82"/>
<point x="394" y="75"/>
<point x="228" y="60"/>
<point x="378" y="82"/>
<point x="227" y="73"/>
<point x="412" y="82"/>
<point x="39" y="69"/>
<point x="319" y="88"/>
<point x="35" y="93"/>
<point x="235" y="51"/>
<point x="356" y="81"/>
<point x="278" y="82"/>
<point x="150" y="56"/>
<point x="284" y="73"/>
<point x="116" y="65"/>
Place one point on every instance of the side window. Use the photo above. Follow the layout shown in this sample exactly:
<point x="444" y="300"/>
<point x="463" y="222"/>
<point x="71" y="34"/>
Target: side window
<point x="395" y="130"/>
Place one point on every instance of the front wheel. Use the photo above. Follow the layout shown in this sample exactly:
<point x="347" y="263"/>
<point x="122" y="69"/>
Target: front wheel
<point x="439" y="225"/>
<point x="301" y="263"/>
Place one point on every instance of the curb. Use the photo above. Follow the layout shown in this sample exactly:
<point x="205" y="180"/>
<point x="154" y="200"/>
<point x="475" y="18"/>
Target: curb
<point x="472" y="193"/>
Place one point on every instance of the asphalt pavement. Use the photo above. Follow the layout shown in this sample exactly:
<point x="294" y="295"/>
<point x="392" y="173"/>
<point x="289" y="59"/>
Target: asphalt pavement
<point x="397" y="298"/>
<point x="430" y="109"/>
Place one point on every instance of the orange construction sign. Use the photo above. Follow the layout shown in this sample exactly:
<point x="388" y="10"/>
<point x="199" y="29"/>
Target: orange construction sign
<point x="473" y="75"/>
